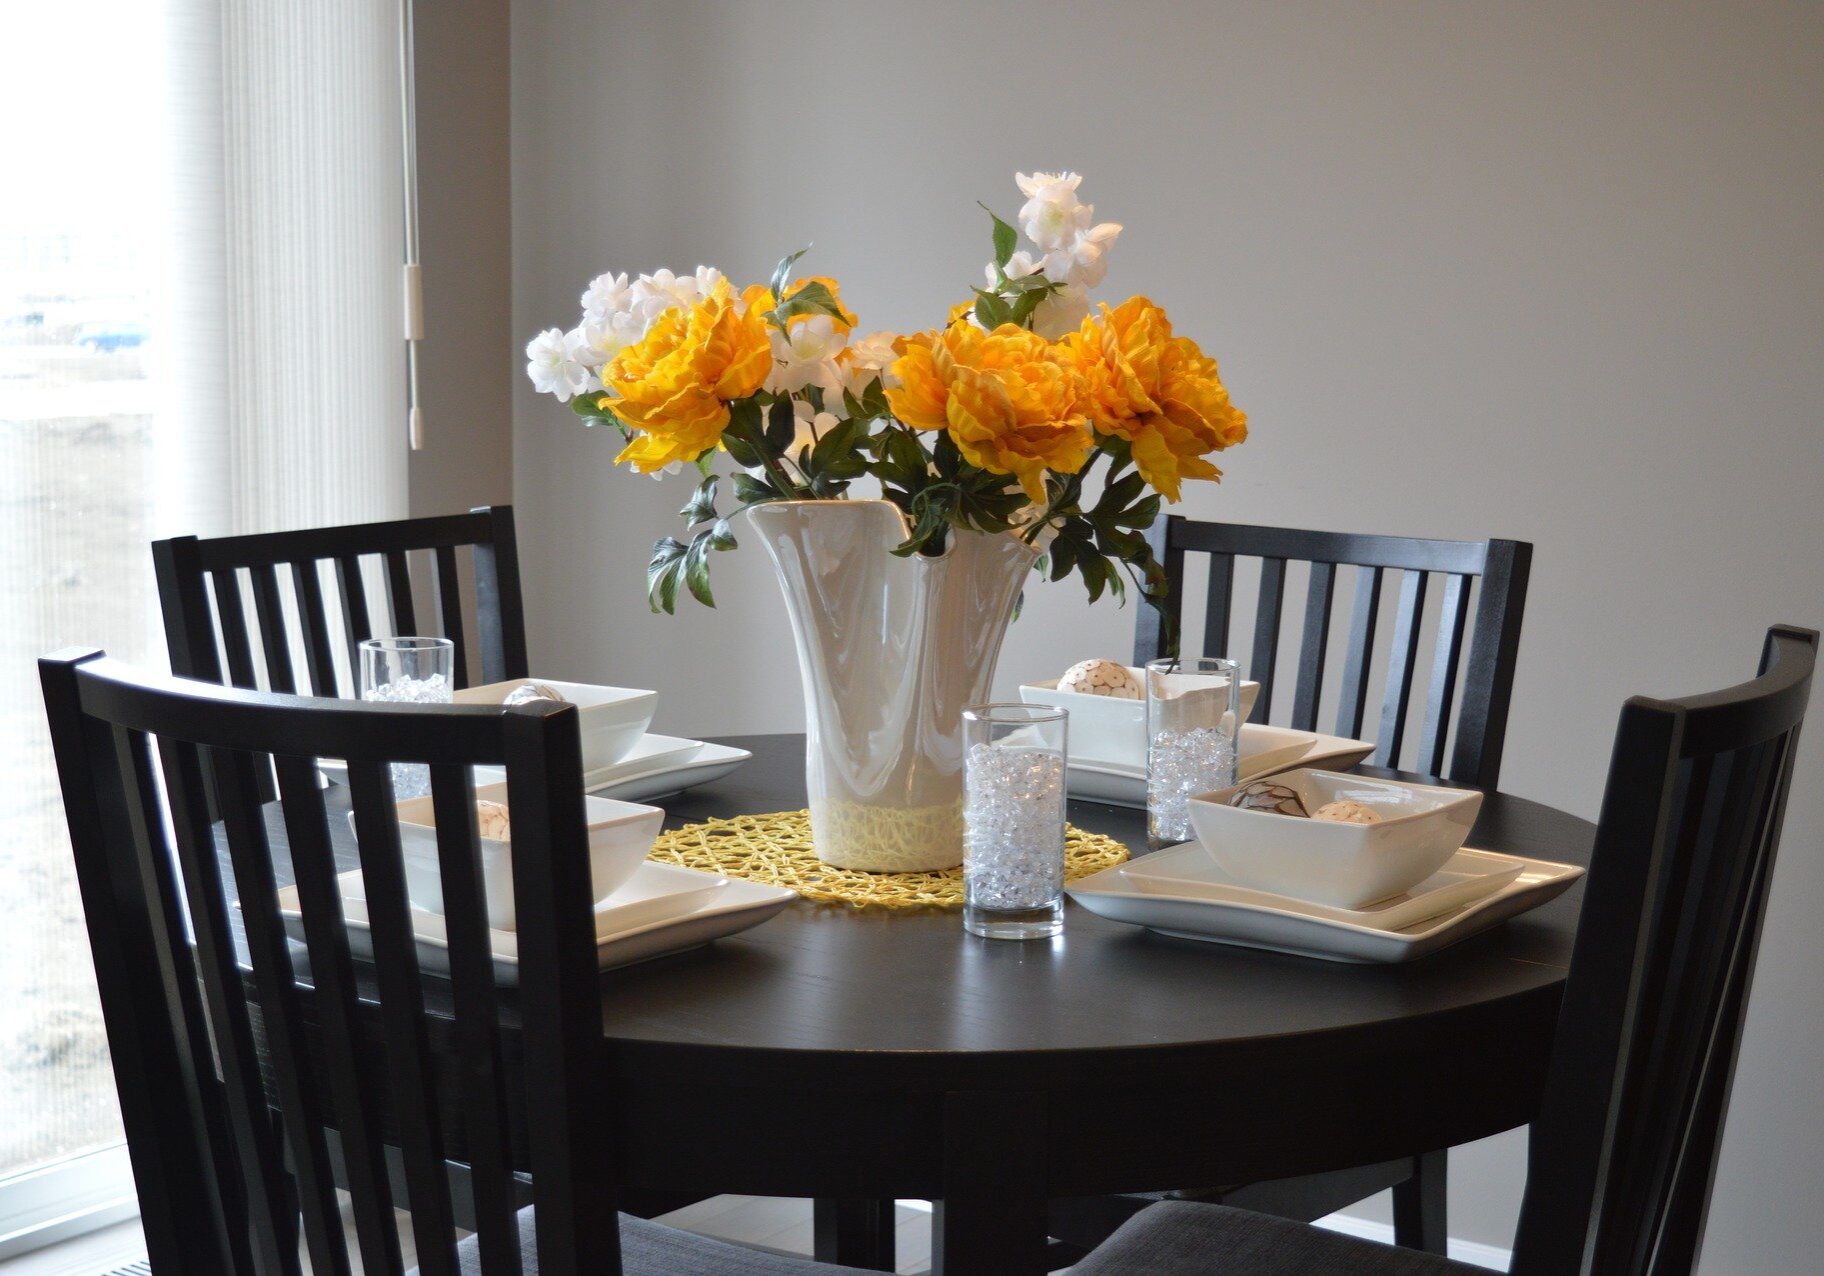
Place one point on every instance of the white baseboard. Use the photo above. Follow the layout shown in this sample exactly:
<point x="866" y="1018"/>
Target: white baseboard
<point x="1490" y="1256"/>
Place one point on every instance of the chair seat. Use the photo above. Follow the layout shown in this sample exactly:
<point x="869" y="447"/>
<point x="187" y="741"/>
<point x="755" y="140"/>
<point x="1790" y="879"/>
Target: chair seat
<point x="653" y="1249"/>
<point x="1175" y="1238"/>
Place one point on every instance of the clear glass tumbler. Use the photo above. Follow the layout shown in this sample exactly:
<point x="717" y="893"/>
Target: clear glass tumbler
<point x="408" y="671"/>
<point x="1013" y="820"/>
<point x="1193" y="714"/>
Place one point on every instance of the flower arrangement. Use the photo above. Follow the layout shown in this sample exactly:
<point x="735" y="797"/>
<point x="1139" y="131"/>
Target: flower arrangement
<point x="991" y="423"/>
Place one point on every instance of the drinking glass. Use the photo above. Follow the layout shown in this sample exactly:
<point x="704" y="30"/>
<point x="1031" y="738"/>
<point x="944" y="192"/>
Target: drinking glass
<point x="408" y="671"/>
<point x="1193" y="714"/>
<point x="1013" y="820"/>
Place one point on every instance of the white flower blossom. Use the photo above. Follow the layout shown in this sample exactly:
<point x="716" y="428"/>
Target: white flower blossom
<point x="1084" y="260"/>
<point x="806" y="356"/>
<point x="554" y="362"/>
<point x="1062" y="310"/>
<point x="599" y="339"/>
<point x="870" y="357"/>
<point x="1052" y="215"/>
<point x="605" y="296"/>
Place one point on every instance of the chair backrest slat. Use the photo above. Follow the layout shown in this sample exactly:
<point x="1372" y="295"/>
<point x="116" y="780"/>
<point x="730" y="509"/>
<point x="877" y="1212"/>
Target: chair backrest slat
<point x="1313" y="646"/>
<point x="264" y="1060"/>
<point x="319" y="657"/>
<point x="304" y="1118"/>
<point x="1358" y="656"/>
<point x="233" y="615"/>
<point x="484" y="1098"/>
<point x="1447" y="652"/>
<point x="1403" y="658"/>
<point x="399" y="592"/>
<point x="273" y="638"/>
<point x="449" y="608"/>
<point x="1493" y="635"/>
<point x="1266" y="624"/>
<point x="408" y="1047"/>
<point x="352" y="1089"/>
<point x="1625" y="1144"/>
<point x="187" y="567"/>
<point x="256" y="1153"/>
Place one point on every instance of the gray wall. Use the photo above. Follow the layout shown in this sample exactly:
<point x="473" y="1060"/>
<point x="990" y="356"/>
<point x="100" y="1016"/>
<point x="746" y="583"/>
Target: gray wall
<point x="467" y="362"/>
<point x="1553" y="272"/>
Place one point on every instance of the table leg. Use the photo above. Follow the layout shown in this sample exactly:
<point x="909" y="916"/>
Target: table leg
<point x="855" y="1233"/>
<point x="1419" y="1216"/>
<point x="993" y="1211"/>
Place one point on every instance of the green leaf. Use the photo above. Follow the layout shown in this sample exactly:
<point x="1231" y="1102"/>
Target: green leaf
<point x="1021" y="310"/>
<point x="1005" y="237"/>
<point x="662" y="574"/>
<point x="753" y="490"/>
<point x="781" y="426"/>
<point x="782" y="273"/>
<point x="812" y="299"/>
<point x="701" y="507"/>
<point x="722" y="536"/>
<point x="835" y="445"/>
<point x="743" y="453"/>
<point x="1141" y="516"/>
<point x="696" y="569"/>
<point x="990" y="311"/>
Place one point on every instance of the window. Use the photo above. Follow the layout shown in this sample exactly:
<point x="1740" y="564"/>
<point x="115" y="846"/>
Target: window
<point x="204" y="202"/>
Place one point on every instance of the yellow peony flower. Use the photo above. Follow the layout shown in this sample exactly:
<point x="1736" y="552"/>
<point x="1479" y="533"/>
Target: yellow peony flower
<point x="674" y="385"/>
<point x="845" y="322"/>
<point x="1157" y="391"/>
<point x="1009" y="403"/>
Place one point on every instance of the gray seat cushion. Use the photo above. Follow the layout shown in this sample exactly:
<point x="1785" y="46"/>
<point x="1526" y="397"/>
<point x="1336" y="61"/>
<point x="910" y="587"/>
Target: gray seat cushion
<point x="652" y="1249"/>
<point x="1180" y="1238"/>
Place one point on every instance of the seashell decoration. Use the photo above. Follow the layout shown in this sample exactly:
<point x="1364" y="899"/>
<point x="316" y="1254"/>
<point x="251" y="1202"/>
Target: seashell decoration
<point x="1275" y="799"/>
<point x="1347" y="812"/>
<point x="1102" y="678"/>
<point x="492" y="820"/>
<point x="527" y="692"/>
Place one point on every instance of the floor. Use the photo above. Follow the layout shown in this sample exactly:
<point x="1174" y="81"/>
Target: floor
<point x="774" y="1222"/>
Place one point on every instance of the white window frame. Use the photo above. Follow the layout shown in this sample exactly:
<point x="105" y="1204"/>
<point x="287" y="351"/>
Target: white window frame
<point x="65" y="1199"/>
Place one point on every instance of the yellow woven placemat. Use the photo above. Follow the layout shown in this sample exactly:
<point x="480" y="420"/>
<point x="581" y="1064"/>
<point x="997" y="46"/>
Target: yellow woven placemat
<point x="776" y="849"/>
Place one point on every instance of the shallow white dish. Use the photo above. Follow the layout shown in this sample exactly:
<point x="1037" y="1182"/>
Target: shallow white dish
<point x="1332" y="862"/>
<point x="1106" y="731"/>
<point x="1182" y="892"/>
<point x="620" y="835"/>
<point x="663" y="909"/>
<point x="1264" y="751"/>
<point x="611" y="719"/>
<point x="658" y="766"/>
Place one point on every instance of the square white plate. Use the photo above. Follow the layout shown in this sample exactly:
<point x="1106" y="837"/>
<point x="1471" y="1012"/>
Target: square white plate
<point x="1180" y="891"/>
<point x="658" y="766"/>
<point x="1264" y="751"/>
<point x="662" y="909"/>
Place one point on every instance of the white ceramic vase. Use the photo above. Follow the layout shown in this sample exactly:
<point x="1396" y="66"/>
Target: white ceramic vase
<point x="890" y="651"/>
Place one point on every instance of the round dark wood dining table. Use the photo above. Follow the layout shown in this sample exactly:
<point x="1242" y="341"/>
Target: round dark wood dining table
<point x="859" y="1056"/>
<point x="853" y="1054"/>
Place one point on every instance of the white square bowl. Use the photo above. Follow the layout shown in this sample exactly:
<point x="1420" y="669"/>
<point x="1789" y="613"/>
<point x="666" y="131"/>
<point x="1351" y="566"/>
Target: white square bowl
<point x="620" y="835"/>
<point x="612" y="719"/>
<point x="1344" y="865"/>
<point x="1107" y="729"/>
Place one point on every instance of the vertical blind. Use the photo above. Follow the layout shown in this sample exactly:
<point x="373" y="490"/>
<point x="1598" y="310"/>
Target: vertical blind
<point x="286" y="373"/>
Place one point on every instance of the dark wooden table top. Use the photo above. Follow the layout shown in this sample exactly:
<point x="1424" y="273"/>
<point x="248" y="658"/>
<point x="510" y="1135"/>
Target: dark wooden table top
<point x="863" y="985"/>
<point x="871" y="1054"/>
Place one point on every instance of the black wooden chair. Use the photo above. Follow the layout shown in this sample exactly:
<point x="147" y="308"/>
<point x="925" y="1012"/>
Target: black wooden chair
<point x="1625" y="1145"/>
<point x="1480" y="727"/>
<point x="203" y="585"/>
<point x="225" y="1186"/>
<point x="1494" y="641"/>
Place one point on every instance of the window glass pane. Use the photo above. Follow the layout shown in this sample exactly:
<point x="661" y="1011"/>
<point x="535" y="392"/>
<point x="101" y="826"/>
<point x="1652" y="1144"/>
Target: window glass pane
<point x="82" y="245"/>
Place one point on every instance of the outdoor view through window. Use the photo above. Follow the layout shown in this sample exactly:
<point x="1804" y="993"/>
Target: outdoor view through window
<point x="81" y="251"/>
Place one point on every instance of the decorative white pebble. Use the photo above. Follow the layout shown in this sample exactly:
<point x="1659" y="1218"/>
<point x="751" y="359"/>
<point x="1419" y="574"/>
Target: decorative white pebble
<point x="527" y="692"/>
<point x="492" y="820"/>
<point x="1347" y="812"/>
<point x="1102" y="678"/>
